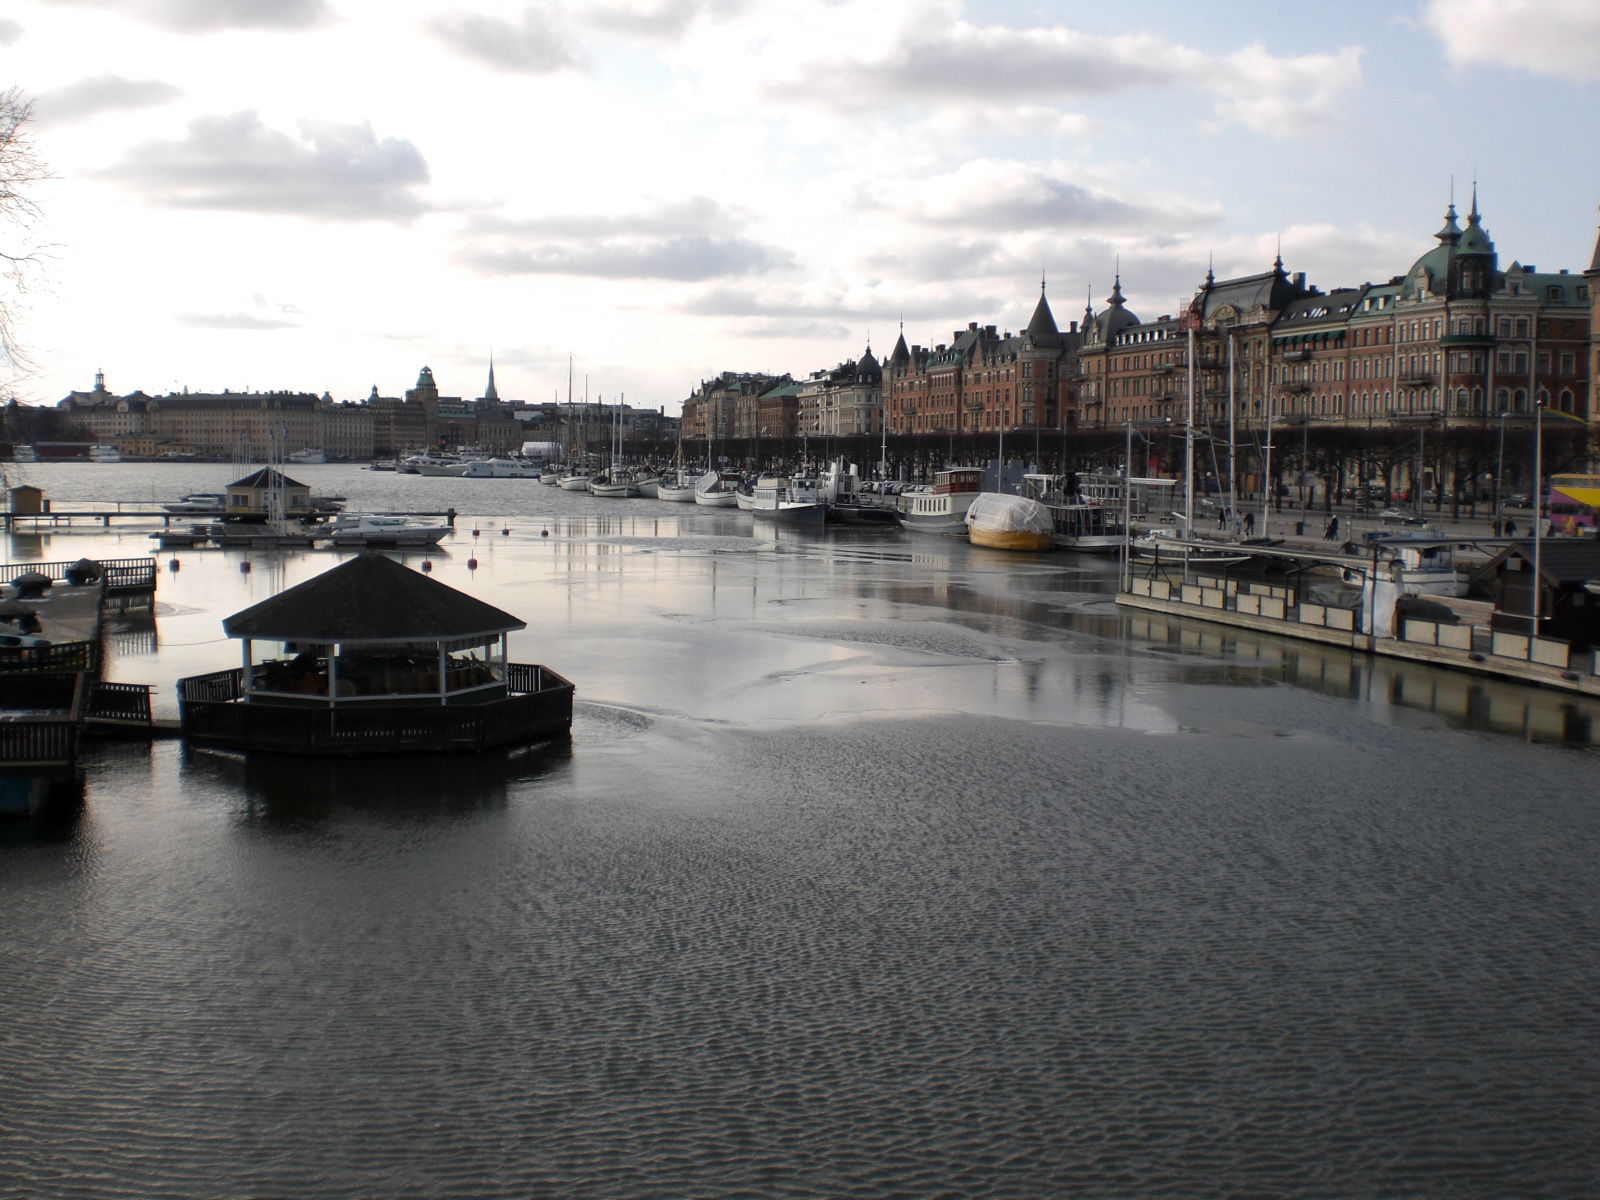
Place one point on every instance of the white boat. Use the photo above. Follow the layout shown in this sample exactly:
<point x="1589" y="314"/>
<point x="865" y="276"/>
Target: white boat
<point x="104" y="454"/>
<point x="352" y="529"/>
<point x="614" y="484"/>
<point x="715" y="489"/>
<point x="499" y="468"/>
<point x="677" y="488"/>
<point x="1001" y="521"/>
<point x="25" y="454"/>
<point x="797" y="501"/>
<point x="576" y="479"/>
<point x="940" y="506"/>
<point x="308" y="457"/>
<point x="197" y="504"/>
<point x="1079" y="525"/>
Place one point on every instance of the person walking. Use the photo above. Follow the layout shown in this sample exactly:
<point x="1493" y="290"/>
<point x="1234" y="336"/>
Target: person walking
<point x="1331" y="533"/>
<point x="1249" y="524"/>
<point x="1511" y="527"/>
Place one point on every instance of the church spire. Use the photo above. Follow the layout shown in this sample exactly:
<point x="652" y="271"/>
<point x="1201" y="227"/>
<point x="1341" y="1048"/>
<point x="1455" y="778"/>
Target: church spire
<point x="489" y="392"/>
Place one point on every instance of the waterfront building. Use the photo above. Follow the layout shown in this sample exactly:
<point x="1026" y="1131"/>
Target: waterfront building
<point x="843" y="401"/>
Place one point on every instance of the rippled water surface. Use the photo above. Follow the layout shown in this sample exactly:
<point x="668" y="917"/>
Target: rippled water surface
<point x="875" y="867"/>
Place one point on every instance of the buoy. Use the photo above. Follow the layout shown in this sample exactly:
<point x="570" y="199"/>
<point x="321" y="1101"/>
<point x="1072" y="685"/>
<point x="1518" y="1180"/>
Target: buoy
<point x="245" y="566"/>
<point x="427" y="565"/>
<point x="173" y="565"/>
<point x="505" y="531"/>
<point x="472" y="564"/>
<point x="544" y="533"/>
<point x="475" y="532"/>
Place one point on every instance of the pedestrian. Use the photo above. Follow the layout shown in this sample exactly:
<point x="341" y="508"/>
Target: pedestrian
<point x="1249" y="524"/>
<point x="1494" y="527"/>
<point x="1511" y="527"/>
<point x="1331" y="533"/>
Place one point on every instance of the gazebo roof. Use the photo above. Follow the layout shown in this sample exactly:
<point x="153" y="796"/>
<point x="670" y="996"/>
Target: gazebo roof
<point x="370" y="598"/>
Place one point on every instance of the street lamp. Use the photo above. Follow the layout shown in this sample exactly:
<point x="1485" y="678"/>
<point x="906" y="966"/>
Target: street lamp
<point x="1499" y="472"/>
<point x="1538" y="523"/>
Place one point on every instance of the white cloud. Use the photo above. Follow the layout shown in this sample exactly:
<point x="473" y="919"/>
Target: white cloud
<point x="238" y="164"/>
<point x="1285" y="97"/>
<point x="1545" y="37"/>
<point x="534" y="45"/>
<point x="10" y="32"/>
<point x="102" y="93"/>
<point x="211" y="16"/>
<point x="653" y="20"/>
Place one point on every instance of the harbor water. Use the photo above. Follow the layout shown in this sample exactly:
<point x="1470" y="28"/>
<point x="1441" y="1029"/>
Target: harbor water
<point x="877" y="865"/>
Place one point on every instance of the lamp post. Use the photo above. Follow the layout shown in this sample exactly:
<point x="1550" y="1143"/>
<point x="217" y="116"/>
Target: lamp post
<point x="1538" y="522"/>
<point x="1499" y="472"/>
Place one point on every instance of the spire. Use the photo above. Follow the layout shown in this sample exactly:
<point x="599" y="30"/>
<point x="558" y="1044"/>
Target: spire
<point x="1043" y="322"/>
<point x="1594" y="263"/>
<point x="1473" y="219"/>
<point x="1115" y="299"/>
<point x="489" y="393"/>
<point x="1451" y="233"/>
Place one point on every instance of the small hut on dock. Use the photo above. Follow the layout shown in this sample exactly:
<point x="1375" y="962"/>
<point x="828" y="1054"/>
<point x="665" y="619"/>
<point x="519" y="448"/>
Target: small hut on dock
<point x="372" y="657"/>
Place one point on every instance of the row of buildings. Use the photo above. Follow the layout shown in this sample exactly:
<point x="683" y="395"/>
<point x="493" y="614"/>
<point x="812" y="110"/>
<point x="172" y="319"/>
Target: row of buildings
<point x="257" y="425"/>
<point x="1454" y="340"/>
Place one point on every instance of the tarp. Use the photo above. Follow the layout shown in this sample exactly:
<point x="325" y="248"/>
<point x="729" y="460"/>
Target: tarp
<point x="1001" y="513"/>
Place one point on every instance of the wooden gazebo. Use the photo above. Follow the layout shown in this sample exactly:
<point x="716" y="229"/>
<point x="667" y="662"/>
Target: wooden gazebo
<point x="373" y="657"/>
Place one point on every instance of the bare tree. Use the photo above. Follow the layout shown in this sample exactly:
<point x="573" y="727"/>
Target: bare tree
<point x="20" y="172"/>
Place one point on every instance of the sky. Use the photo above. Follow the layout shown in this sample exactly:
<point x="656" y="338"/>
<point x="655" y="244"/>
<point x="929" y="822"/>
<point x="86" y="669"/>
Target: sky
<point x="329" y="195"/>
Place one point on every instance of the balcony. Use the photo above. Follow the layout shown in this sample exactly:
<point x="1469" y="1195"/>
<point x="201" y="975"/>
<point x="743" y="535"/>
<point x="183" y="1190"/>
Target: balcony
<point x="1467" y="339"/>
<point x="1415" y="378"/>
<point x="1295" y="355"/>
<point x="1296" y="386"/>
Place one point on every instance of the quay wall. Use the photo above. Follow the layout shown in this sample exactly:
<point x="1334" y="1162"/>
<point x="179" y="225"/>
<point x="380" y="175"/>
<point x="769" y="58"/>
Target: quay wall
<point x="1242" y="604"/>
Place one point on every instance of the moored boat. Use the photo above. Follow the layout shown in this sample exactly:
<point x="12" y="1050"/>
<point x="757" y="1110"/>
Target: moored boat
<point x="393" y="530"/>
<point x="940" y="506"/>
<point x="1001" y="521"/>
<point x="715" y="489"/>
<point x="1078" y="524"/>
<point x="797" y="501"/>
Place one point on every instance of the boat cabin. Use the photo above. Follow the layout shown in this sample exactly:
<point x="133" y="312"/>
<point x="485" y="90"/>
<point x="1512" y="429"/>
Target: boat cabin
<point x="372" y="657"/>
<point x="1565" y="593"/>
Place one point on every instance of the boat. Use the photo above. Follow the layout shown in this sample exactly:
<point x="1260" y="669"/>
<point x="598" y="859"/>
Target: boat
<point x="1000" y="521"/>
<point x="25" y="454"/>
<point x="677" y="488"/>
<point x="576" y="479"/>
<point x="379" y="530"/>
<point x="307" y="457"/>
<point x="715" y="489"/>
<point x="614" y="484"/>
<point x="198" y="504"/>
<point x="1079" y="524"/>
<point x="797" y="501"/>
<point x="499" y="468"/>
<point x="841" y="484"/>
<point x="104" y="454"/>
<point x="940" y="506"/>
<point x="270" y="534"/>
<point x="447" y="465"/>
<point x="648" y="481"/>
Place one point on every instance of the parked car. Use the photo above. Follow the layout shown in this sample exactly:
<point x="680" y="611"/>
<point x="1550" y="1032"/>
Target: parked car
<point x="1400" y="516"/>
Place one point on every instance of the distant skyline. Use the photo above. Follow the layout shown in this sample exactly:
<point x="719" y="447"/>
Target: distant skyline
<point x="327" y="195"/>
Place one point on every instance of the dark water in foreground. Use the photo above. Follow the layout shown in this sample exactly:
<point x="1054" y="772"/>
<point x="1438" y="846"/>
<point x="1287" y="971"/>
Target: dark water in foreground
<point x="873" y="868"/>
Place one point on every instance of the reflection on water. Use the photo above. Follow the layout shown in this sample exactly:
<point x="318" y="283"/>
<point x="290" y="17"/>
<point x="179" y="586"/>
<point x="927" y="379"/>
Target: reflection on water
<point x="281" y="790"/>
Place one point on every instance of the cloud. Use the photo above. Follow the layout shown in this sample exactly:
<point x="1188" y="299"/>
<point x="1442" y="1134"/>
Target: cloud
<point x="10" y="32"/>
<point x="1285" y="97"/>
<point x="102" y="93"/>
<point x="212" y="16"/>
<point x="534" y="46"/>
<point x="654" y="20"/>
<point x="690" y="240"/>
<point x="683" y="259"/>
<point x="1544" y="37"/>
<point x="234" y="320"/>
<point x="237" y="164"/>
<point x="940" y="60"/>
<point x="1002" y="194"/>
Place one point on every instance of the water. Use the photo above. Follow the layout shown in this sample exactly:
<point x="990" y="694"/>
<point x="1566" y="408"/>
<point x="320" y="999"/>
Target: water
<point x="875" y="867"/>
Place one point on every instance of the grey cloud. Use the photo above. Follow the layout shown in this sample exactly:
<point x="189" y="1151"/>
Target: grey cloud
<point x="967" y="62"/>
<point x="799" y="314"/>
<point x="696" y="215"/>
<point x="237" y="164"/>
<point x="534" y="46"/>
<point x="211" y="16"/>
<point x="655" y="20"/>
<point x="233" y="321"/>
<point x="682" y="259"/>
<point x="102" y="93"/>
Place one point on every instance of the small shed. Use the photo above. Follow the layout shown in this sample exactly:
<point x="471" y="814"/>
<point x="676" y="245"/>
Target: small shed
<point x="267" y="492"/>
<point x="28" y="499"/>
<point x="1565" y="595"/>
<point x="373" y="657"/>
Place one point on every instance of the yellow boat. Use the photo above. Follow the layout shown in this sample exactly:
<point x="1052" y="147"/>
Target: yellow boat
<point x="1004" y="522"/>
